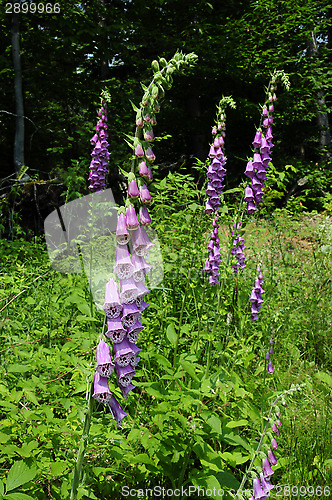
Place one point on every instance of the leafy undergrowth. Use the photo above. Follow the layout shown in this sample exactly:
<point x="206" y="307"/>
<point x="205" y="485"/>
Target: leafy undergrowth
<point x="203" y="390"/>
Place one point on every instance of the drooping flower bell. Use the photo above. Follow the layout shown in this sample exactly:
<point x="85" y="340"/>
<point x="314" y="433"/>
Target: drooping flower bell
<point x="117" y="411"/>
<point x="256" y="298"/>
<point x="101" y="391"/>
<point x="105" y="366"/>
<point x="112" y="305"/>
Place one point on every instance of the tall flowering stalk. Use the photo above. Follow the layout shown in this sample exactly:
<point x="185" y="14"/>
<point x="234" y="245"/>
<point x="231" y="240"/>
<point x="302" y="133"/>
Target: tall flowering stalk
<point x="99" y="163"/>
<point x="258" y="164"/>
<point x="261" y="476"/>
<point x="215" y="174"/>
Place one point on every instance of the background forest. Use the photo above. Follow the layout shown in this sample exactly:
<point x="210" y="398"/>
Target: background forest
<point x="214" y="390"/>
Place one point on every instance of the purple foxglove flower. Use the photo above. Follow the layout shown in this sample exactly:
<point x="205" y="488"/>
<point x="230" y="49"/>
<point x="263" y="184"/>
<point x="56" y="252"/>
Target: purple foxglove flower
<point x="128" y="291"/>
<point x="257" y="140"/>
<point x="105" y="365"/>
<point x="208" y="208"/>
<point x="145" y="195"/>
<point x="133" y="191"/>
<point x="149" y="154"/>
<point x="251" y="208"/>
<point x="265" y="122"/>
<point x="123" y="267"/>
<point x="248" y="194"/>
<point x="147" y="118"/>
<point x="267" y="471"/>
<point x="144" y="216"/>
<point x="143" y="169"/>
<point x="141" y="267"/>
<point x="141" y="242"/>
<point x="267" y="356"/>
<point x="125" y="375"/>
<point x="133" y="331"/>
<point x="142" y="290"/>
<point x="270" y="367"/>
<point x="150" y="176"/>
<point x="265" y="111"/>
<point x="278" y="422"/>
<point x="125" y="390"/>
<point x="101" y="391"/>
<point x="258" y="491"/>
<point x="134" y="359"/>
<point x="266" y="485"/>
<point x="131" y="218"/>
<point x="265" y="148"/>
<point x="275" y="429"/>
<point x="117" y="411"/>
<point x="123" y="353"/>
<point x="139" y="151"/>
<point x="149" y="135"/>
<point x="212" y="280"/>
<point x="115" y="330"/>
<point x="131" y="314"/>
<point x="257" y="161"/>
<point x="141" y="304"/>
<point x="274" y="445"/>
<point x="249" y="171"/>
<point x="214" y="131"/>
<point x="139" y="122"/>
<point x="112" y="305"/>
<point x="122" y="233"/>
<point x="272" y="458"/>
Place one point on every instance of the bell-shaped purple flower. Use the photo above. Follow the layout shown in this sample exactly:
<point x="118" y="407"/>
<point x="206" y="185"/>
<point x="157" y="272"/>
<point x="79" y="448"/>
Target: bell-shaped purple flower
<point x="133" y="332"/>
<point x="145" y="195"/>
<point x="133" y="191"/>
<point x="267" y="471"/>
<point x="150" y="156"/>
<point x="125" y="375"/>
<point x="143" y="170"/>
<point x="125" y="390"/>
<point x="258" y="491"/>
<point x="149" y="135"/>
<point x="144" y="216"/>
<point x="105" y="365"/>
<point x="272" y="458"/>
<point x="131" y="314"/>
<point x="101" y="391"/>
<point x="270" y="367"/>
<point x="117" y="411"/>
<point x="123" y="353"/>
<point x="115" y="330"/>
<point x="112" y="305"/>
<point x="134" y="359"/>
<point x="266" y="485"/>
<point x="131" y="218"/>
<point x="123" y="266"/>
<point x="128" y="291"/>
<point x="274" y="444"/>
<point x="139" y="151"/>
<point x="122" y="233"/>
<point x="141" y="242"/>
<point x="141" y="267"/>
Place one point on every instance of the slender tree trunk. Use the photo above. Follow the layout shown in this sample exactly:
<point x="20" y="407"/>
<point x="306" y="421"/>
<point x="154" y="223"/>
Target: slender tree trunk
<point x="19" y="130"/>
<point x="322" y="118"/>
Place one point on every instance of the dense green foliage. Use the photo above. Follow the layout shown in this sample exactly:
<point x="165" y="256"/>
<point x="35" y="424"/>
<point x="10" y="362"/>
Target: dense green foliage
<point x="185" y="426"/>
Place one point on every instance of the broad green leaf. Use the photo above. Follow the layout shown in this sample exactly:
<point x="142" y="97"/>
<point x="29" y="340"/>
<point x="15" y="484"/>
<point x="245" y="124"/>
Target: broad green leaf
<point x="18" y="496"/>
<point x="18" y="368"/>
<point x="19" y="474"/>
<point x="2" y="488"/>
<point x="171" y="334"/>
<point x="58" y="468"/>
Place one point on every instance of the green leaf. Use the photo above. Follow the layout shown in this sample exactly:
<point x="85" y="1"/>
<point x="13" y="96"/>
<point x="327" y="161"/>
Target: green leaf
<point x="18" y="496"/>
<point x="2" y="488"/>
<point x="18" y="368"/>
<point x="19" y="474"/>
<point x="171" y="335"/>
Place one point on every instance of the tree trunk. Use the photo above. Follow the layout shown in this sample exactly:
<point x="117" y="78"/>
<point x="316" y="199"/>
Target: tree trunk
<point x="322" y="118"/>
<point x="19" y="130"/>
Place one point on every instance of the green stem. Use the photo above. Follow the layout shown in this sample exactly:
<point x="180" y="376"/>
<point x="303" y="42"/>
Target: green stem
<point x="180" y="324"/>
<point x="83" y="443"/>
<point x="185" y="461"/>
